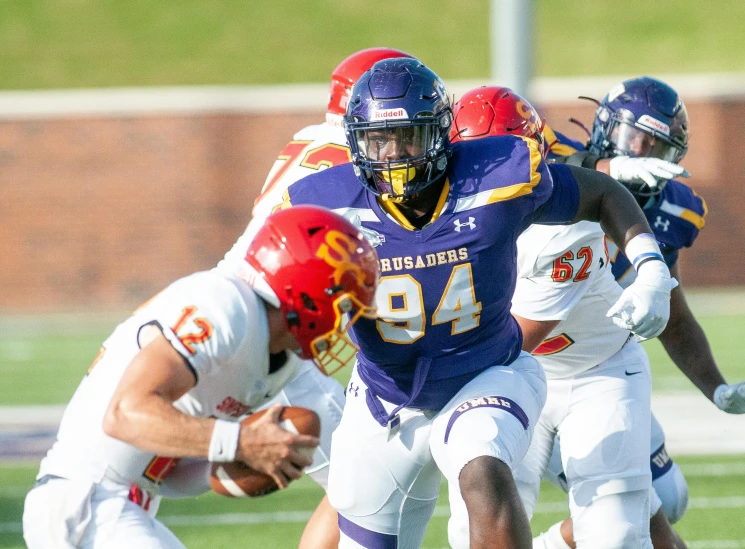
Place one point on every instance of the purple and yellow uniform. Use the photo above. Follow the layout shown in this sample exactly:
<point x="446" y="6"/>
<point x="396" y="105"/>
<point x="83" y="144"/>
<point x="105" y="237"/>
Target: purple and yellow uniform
<point x="445" y="292"/>
<point x="676" y="217"/>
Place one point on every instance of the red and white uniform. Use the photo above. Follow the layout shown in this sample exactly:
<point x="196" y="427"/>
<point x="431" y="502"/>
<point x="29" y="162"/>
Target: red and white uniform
<point x="599" y="387"/>
<point x="101" y="492"/>
<point x="313" y="148"/>
<point x="564" y="274"/>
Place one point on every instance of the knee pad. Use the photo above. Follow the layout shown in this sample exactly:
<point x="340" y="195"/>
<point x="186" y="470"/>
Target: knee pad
<point x="614" y="521"/>
<point x="672" y="489"/>
<point x="475" y="432"/>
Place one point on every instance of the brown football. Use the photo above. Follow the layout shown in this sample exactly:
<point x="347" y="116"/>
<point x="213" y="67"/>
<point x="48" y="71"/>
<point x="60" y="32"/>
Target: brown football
<point x="238" y="480"/>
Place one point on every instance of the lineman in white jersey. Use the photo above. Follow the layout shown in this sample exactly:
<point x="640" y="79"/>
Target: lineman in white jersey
<point x="313" y="148"/>
<point x="599" y="382"/>
<point x="172" y="381"/>
<point x="599" y="386"/>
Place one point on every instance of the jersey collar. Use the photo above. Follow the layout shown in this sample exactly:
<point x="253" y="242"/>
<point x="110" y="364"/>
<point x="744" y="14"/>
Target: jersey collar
<point x="391" y="209"/>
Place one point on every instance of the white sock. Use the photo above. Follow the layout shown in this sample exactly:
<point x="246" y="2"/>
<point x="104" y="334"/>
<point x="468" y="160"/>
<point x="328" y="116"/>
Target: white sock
<point x="551" y="539"/>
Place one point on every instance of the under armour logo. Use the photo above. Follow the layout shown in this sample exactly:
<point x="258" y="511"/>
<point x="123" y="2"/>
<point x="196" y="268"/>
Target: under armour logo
<point x="661" y="224"/>
<point x="353" y="389"/>
<point x="470" y="224"/>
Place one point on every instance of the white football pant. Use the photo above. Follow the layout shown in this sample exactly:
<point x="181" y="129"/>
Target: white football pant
<point x="602" y="419"/>
<point x="77" y="514"/>
<point x="385" y="488"/>
<point x="669" y="487"/>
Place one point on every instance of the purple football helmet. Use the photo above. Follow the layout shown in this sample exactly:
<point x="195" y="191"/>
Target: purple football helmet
<point x="642" y="117"/>
<point x="397" y="124"/>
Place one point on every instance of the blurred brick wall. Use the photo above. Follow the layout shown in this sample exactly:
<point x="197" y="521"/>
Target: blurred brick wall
<point x="101" y="213"/>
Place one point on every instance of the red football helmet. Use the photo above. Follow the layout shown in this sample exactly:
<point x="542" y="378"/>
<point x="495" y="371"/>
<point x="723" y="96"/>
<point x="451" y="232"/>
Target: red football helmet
<point x="314" y="266"/>
<point x="492" y="110"/>
<point x="347" y="73"/>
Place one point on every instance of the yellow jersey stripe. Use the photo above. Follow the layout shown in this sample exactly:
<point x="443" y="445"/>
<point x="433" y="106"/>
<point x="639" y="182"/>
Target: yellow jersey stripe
<point x="505" y="193"/>
<point x="553" y="145"/>
<point x="693" y="217"/>
<point x="684" y="213"/>
<point x="521" y="189"/>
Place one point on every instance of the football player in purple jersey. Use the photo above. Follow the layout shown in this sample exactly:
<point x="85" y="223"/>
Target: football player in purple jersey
<point x="441" y="385"/>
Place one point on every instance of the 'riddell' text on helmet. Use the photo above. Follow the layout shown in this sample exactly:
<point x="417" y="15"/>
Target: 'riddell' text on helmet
<point x="642" y="117"/>
<point x="397" y="124"/>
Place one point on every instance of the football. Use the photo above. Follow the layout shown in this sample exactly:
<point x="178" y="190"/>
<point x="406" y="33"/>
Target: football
<point x="238" y="480"/>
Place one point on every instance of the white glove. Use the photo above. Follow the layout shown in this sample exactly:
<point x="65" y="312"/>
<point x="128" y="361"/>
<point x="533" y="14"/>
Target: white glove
<point x="651" y="171"/>
<point x="731" y="398"/>
<point x="644" y="307"/>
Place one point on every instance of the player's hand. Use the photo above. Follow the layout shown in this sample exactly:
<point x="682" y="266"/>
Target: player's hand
<point x="644" y="307"/>
<point x="651" y="171"/>
<point x="730" y="398"/>
<point x="266" y="447"/>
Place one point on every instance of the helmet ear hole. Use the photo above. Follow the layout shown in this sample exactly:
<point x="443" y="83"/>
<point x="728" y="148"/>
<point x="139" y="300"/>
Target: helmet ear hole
<point x="308" y="302"/>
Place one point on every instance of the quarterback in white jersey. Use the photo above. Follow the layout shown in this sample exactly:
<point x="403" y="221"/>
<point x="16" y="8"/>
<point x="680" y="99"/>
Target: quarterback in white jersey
<point x="599" y="386"/>
<point x="173" y="380"/>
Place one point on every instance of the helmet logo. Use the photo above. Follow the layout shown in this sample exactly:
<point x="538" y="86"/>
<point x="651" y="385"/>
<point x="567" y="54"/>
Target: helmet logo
<point x="336" y="251"/>
<point x="524" y="110"/>
<point x="389" y="114"/>
<point x="654" y="124"/>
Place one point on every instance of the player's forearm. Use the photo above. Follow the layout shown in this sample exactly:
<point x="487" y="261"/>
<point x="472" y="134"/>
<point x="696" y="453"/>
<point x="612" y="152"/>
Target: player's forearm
<point x="688" y="347"/>
<point x="153" y="425"/>
<point x="606" y="201"/>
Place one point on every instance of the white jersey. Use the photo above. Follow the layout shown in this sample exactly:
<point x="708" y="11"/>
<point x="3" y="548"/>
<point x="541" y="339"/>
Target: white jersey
<point x="219" y="326"/>
<point x="312" y="149"/>
<point x="564" y="274"/>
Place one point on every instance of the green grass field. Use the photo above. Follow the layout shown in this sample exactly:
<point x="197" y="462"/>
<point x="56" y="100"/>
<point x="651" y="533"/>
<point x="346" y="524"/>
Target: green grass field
<point x="714" y="518"/>
<point x="91" y="43"/>
<point x="39" y="368"/>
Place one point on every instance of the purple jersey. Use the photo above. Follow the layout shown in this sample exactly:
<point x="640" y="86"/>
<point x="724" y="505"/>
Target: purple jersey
<point x="445" y="291"/>
<point x="676" y="217"/>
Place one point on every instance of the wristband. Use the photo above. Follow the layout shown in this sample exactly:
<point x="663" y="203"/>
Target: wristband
<point x="224" y="442"/>
<point x="642" y="248"/>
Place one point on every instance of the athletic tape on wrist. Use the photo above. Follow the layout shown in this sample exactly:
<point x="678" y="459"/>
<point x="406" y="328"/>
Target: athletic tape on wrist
<point x="224" y="442"/>
<point x="642" y="248"/>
